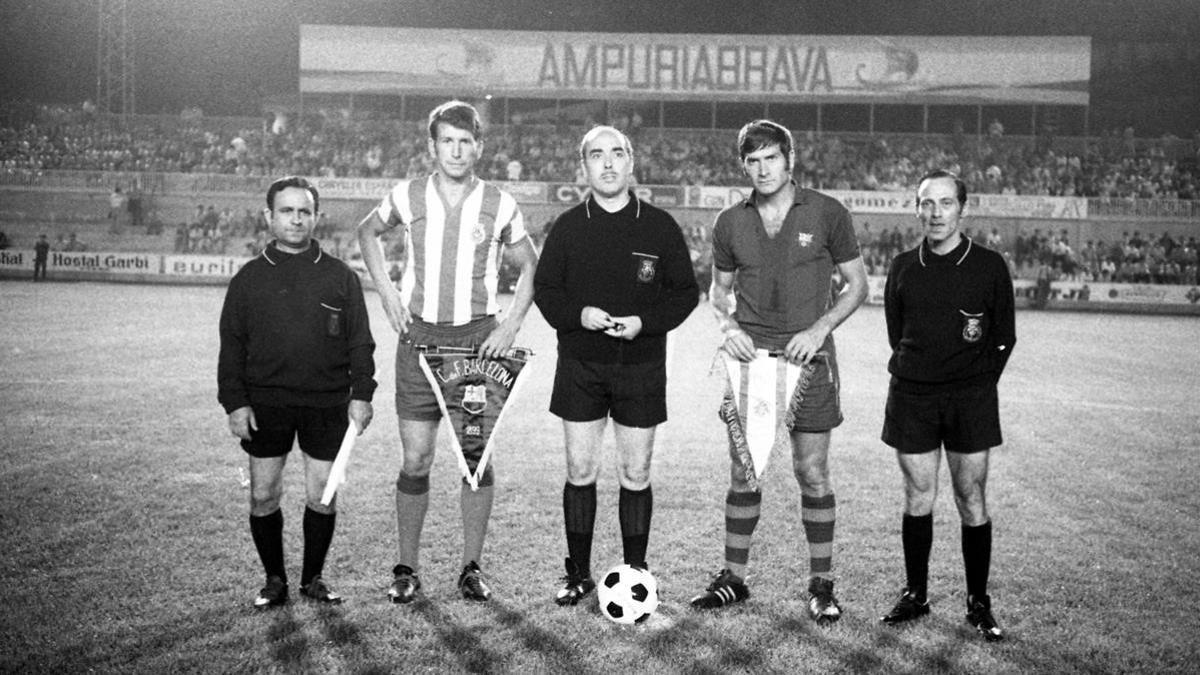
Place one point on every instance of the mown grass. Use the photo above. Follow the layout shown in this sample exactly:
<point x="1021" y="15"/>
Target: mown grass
<point x="125" y="546"/>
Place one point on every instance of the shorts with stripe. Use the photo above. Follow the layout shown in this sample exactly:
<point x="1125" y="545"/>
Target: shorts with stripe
<point x="415" y="399"/>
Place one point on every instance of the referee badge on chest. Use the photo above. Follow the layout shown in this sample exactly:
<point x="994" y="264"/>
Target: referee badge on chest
<point x="972" y="326"/>
<point x="647" y="267"/>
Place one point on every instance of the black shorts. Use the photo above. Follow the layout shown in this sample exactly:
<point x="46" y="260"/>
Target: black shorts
<point x="964" y="419"/>
<point x="635" y="394"/>
<point x="320" y="431"/>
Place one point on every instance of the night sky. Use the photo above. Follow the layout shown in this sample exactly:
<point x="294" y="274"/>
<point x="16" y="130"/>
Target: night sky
<point x="224" y="55"/>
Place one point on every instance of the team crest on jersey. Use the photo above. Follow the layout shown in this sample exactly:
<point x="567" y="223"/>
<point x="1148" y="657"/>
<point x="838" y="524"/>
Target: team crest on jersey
<point x="805" y="238"/>
<point x="972" y="330"/>
<point x="479" y="234"/>
<point x="646" y="271"/>
<point x="647" y="267"/>
<point x="474" y="398"/>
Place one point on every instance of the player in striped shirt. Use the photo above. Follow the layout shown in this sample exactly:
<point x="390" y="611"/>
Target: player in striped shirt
<point x="453" y="229"/>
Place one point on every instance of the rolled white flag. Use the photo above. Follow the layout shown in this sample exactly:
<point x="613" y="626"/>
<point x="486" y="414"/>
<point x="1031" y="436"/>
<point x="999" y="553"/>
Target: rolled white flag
<point x="337" y="474"/>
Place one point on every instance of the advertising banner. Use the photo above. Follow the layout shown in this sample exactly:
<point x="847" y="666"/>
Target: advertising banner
<point x="203" y="265"/>
<point x="525" y="192"/>
<point x="796" y="68"/>
<point x="662" y="196"/>
<point x="13" y="260"/>
<point x="1032" y="206"/>
<point x="87" y="261"/>
<point x="1110" y="293"/>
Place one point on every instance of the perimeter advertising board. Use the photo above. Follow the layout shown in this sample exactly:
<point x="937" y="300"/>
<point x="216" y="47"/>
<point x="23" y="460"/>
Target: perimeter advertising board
<point x="795" y="68"/>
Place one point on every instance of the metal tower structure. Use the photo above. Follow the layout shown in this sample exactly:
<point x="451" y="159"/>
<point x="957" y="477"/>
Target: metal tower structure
<point x="115" y="91"/>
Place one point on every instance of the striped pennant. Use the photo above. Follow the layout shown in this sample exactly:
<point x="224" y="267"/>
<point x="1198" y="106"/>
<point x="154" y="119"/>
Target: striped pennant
<point x="758" y="409"/>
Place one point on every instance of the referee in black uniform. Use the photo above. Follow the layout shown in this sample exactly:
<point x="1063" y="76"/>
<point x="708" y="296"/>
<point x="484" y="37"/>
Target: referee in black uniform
<point x="615" y="275"/>
<point x="950" y="321"/>
<point x="296" y="363"/>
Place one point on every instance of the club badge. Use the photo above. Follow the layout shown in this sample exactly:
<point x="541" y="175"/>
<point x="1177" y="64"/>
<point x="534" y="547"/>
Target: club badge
<point x="647" y="267"/>
<point x="804" y="238"/>
<point x="474" y="398"/>
<point x="972" y="329"/>
<point x="479" y="233"/>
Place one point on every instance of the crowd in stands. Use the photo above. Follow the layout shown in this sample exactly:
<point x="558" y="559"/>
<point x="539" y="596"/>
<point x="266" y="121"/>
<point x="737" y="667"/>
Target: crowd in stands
<point x="341" y="144"/>
<point x="226" y="233"/>
<point x="344" y="144"/>
<point x="68" y="242"/>
<point x="1165" y="259"/>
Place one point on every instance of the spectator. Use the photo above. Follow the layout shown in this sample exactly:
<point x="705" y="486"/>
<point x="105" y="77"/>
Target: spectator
<point x="73" y="244"/>
<point x="116" y="209"/>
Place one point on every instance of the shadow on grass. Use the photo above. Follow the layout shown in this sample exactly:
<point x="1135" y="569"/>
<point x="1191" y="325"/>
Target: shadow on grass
<point x="340" y="632"/>
<point x="285" y="640"/>
<point x="938" y="643"/>
<point x="560" y="657"/>
<point x="460" y="641"/>
<point x="689" y="627"/>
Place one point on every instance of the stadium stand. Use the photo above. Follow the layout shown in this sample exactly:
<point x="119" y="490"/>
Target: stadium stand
<point x="338" y="143"/>
<point x="344" y="144"/>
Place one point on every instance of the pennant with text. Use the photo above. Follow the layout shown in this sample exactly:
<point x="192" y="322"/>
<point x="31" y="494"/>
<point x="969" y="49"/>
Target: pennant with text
<point x="472" y="392"/>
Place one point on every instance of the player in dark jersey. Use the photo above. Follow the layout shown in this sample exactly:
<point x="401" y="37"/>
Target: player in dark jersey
<point x="950" y="321"/>
<point x="774" y="256"/>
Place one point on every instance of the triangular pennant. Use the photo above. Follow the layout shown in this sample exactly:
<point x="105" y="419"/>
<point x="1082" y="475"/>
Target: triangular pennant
<point x="472" y="392"/>
<point x="757" y="408"/>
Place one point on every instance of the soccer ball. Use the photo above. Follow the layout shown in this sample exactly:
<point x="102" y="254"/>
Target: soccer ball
<point x="627" y="594"/>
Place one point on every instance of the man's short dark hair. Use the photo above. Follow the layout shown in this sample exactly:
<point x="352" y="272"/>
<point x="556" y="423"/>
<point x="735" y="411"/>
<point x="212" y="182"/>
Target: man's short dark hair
<point x="293" y="182"/>
<point x="458" y="114"/>
<point x="959" y="186"/>
<point x="760" y="134"/>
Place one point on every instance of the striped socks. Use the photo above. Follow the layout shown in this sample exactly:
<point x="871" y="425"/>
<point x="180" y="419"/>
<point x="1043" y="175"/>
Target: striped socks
<point x="818" y="515"/>
<point x="742" y="510"/>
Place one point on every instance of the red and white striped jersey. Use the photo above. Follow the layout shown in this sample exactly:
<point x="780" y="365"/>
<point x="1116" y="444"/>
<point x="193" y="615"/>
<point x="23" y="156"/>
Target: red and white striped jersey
<point x="452" y="253"/>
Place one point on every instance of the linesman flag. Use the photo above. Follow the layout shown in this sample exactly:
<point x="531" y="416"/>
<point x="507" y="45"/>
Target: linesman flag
<point x="759" y="408"/>
<point x="472" y="392"/>
<point x="337" y="473"/>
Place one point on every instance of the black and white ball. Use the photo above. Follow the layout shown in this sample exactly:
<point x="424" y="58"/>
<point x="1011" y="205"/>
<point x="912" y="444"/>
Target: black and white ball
<point x="627" y="594"/>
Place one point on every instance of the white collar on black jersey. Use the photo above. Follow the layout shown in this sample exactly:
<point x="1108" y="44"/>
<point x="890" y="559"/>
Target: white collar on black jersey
<point x="314" y="251"/>
<point x="921" y="251"/>
<point x="587" y="205"/>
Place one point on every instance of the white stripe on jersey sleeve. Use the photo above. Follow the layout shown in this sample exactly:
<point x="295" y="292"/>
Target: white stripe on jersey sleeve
<point x="509" y="216"/>
<point x="396" y="205"/>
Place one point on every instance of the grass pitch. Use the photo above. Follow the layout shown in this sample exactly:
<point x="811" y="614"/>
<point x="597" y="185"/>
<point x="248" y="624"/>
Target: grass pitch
<point x="126" y="547"/>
